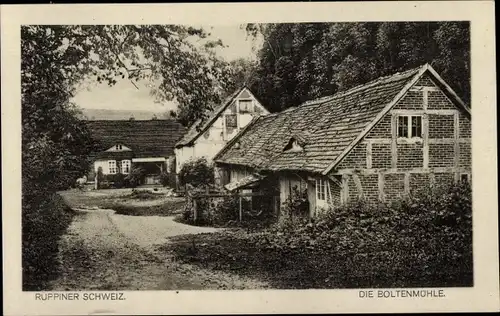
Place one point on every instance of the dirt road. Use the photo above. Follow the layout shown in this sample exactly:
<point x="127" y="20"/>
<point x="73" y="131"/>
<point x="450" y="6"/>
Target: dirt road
<point x="105" y="251"/>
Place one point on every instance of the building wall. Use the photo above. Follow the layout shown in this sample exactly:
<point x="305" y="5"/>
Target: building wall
<point x="388" y="167"/>
<point x="103" y="164"/>
<point x="217" y="135"/>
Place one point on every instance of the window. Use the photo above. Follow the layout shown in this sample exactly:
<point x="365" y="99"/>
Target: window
<point x="465" y="177"/>
<point x="125" y="166"/>
<point x="416" y="126"/>
<point x="246" y="106"/>
<point x="321" y="189"/>
<point x="118" y="147"/>
<point x="410" y="126"/>
<point x="231" y="121"/>
<point x="112" y="166"/>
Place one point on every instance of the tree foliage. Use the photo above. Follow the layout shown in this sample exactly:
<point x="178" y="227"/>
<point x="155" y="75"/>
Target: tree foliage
<point x="308" y="60"/>
<point x="55" y="143"/>
<point x="196" y="173"/>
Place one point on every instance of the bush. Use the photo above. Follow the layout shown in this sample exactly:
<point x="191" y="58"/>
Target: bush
<point x="100" y="178"/>
<point x="196" y="173"/>
<point x="168" y="180"/>
<point x="424" y="240"/>
<point x="44" y="221"/>
<point x="134" y="178"/>
<point x="295" y="210"/>
<point x="144" y="195"/>
<point x="117" y="180"/>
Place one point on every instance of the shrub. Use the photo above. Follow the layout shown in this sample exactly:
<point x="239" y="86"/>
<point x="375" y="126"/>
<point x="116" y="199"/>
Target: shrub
<point x="144" y="195"/>
<point x="424" y="240"/>
<point x="100" y="178"/>
<point x="296" y="205"/>
<point x="116" y="180"/>
<point x="134" y="178"/>
<point x="196" y="173"/>
<point x="168" y="180"/>
<point x="44" y="220"/>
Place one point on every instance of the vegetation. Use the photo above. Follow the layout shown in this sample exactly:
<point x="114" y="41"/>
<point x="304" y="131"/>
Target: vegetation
<point x="135" y="177"/>
<point x="196" y="173"/>
<point x="304" y="61"/>
<point x="43" y="224"/>
<point x="166" y="208"/>
<point x="167" y="179"/>
<point x="425" y="240"/>
<point x="55" y="143"/>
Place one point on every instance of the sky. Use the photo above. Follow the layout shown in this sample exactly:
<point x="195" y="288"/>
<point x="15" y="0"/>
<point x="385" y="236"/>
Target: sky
<point x="125" y="96"/>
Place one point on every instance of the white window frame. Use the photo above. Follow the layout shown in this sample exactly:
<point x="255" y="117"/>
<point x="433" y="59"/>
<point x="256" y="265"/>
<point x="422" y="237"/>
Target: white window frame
<point x="321" y="190"/>
<point x="112" y="167"/>
<point x="252" y="106"/>
<point x="409" y="127"/>
<point x="465" y="174"/>
<point x="126" y="163"/>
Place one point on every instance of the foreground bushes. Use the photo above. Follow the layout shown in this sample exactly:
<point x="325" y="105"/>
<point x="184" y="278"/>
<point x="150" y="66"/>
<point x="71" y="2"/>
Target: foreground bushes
<point x="196" y="173"/>
<point x="425" y="240"/>
<point x="44" y="220"/>
<point x="224" y="212"/>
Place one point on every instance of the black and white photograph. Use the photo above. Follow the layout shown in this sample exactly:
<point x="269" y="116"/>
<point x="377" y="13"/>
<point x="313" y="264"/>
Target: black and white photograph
<point x="247" y="156"/>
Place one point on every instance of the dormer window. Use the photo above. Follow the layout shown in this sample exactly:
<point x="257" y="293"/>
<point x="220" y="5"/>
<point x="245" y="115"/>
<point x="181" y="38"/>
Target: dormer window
<point x="409" y="126"/>
<point x="118" y="147"/>
<point x="293" y="146"/>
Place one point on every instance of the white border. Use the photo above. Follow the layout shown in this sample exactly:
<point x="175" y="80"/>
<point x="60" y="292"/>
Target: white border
<point x="484" y="296"/>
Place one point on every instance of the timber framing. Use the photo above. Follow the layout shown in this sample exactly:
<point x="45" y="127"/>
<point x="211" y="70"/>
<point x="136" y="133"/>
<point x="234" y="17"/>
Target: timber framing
<point x="426" y="68"/>
<point x="396" y="170"/>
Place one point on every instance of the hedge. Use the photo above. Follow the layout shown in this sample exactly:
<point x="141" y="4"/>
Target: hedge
<point x="44" y="221"/>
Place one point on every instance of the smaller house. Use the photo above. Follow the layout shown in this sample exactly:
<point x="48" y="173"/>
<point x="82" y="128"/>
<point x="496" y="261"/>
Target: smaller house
<point x="124" y="144"/>
<point x="206" y="138"/>
<point x="379" y="141"/>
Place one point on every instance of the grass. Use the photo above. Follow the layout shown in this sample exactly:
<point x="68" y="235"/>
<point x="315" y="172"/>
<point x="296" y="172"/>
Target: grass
<point x="125" y="201"/>
<point x="302" y="267"/>
<point x="167" y="208"/>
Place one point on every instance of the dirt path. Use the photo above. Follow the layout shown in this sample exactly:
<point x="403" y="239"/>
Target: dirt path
<point x="105" y="251"/>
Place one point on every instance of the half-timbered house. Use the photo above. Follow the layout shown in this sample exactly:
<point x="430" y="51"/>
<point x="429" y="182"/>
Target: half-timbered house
<point x="379" y="140"/>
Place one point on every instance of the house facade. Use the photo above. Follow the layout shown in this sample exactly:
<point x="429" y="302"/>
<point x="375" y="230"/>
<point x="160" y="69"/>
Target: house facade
<point x="124" y="144"/>
<point x="379" y="141"/>
<point x="207" y="138"/>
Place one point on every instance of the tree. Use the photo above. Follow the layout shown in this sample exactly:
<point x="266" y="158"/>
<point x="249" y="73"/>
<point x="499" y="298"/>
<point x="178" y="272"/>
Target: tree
<point x="298" y="62"/>
<point x="56" y="144"/>
<point x="56" y="58"/>
<point x="240" y="74"/>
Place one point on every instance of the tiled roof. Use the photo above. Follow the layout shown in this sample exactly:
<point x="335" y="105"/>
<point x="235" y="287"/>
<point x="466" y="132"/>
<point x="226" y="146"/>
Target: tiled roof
<point x="153" y="138"/>
<point x="330" y="124"/>
<point x="200" y="126"/>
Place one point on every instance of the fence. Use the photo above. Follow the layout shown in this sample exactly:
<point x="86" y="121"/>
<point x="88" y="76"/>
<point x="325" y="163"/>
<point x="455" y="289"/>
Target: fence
<point x="250" y="203"/>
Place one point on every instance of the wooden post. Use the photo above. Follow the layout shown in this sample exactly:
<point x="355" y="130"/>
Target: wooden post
<point x="240" y="209"/>
<point x="275" y="208"/>
<point x="425" y="134"/>
<point x="369" y="155"/>
<point x="381" y="185"/>
<point x="394" y="144"/>
<point x="407" y="183"/>
<point x="359" y="186"/>
<point x="195" y="210"/>
<point x="456" y="137"/>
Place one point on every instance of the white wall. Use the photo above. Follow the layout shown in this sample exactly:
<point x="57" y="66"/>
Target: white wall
<point x="103" y="164"/>
<point x="215" y="138"/>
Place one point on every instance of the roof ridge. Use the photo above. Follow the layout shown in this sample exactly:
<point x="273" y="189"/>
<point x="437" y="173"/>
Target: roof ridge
<point x="361" y="86"/>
